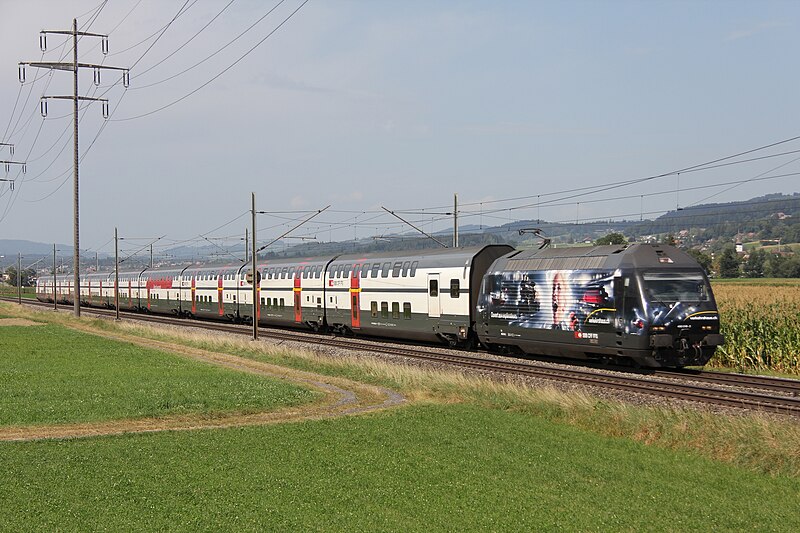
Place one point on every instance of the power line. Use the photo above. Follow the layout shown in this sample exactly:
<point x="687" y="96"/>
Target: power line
<point x="208" y="57"/>
<point x="226" y="69"/>
<point x="181" y="47"/>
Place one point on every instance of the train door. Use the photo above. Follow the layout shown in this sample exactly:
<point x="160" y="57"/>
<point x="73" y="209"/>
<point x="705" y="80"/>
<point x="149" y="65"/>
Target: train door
<point x="355" y="300"/>
<point x="298" y="298"/>
<point x="194" y="294"/>
<point x="434" y="309"/>
<point x="220" y="303"/>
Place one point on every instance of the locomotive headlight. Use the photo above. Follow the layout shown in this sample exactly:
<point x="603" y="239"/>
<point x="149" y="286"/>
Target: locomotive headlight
<point x="659" y="328"/>
<point x="706" y="328"/>
<point x="462" y="332"/>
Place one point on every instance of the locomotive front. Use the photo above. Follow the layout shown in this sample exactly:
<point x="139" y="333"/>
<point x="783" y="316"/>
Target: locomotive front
<point x="681" y="316"/>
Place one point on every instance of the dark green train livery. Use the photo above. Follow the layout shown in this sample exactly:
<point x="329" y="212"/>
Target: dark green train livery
<point x="649" y="304"/>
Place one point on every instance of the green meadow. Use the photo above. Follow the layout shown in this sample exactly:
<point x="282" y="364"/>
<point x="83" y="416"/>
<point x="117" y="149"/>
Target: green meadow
<point x="53" y="375"/>
<point x="464" y="453"/>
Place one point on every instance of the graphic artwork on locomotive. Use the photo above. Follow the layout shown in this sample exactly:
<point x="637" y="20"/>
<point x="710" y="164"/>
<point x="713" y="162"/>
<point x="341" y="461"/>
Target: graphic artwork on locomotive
<point x="650" y="305"/>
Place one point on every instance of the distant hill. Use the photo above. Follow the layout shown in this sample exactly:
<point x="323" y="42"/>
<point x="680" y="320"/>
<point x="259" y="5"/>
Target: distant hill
<point x="769" y="207"/>
<point x="11" y="247"/>
<point x="773" y="216"/>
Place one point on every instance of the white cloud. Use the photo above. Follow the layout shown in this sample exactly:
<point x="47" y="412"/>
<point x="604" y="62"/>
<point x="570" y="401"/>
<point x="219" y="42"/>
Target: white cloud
<point x="754" y="30"/>
<point x="298" y="202"/>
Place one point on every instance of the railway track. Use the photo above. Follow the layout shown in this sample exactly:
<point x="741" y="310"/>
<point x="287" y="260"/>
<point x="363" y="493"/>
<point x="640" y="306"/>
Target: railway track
<point x="777" y="395"/>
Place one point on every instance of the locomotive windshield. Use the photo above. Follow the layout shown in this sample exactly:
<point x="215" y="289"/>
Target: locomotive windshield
<point x="671" y="287"/>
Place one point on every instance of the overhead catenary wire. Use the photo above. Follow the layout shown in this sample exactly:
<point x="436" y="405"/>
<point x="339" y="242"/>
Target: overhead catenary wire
<point x="593" y="189"/>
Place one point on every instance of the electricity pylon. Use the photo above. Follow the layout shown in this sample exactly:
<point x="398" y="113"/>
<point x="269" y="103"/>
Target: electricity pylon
<point x="74" y="66"/>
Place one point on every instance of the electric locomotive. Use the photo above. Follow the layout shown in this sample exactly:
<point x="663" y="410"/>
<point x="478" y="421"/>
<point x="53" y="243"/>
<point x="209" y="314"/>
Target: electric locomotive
<point x="649" y="304"/>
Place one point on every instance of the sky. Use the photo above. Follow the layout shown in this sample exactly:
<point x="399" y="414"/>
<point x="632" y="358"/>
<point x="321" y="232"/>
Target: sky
<point x="360" y="105"/>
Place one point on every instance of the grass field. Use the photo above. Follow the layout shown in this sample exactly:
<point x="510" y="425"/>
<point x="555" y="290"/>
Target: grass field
<point x="50" y="374"/>
<point x="12" y="292"/>
<point x="761" y="323"/>
<point x="424" y="468"/>
<point x="466" y="454"/>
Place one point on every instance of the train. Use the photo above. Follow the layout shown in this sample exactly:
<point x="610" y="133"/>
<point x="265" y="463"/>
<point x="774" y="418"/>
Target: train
<point x="642" y="304"/>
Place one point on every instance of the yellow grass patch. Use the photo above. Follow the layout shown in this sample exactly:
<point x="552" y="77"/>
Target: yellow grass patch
<point x="24" y="322"/>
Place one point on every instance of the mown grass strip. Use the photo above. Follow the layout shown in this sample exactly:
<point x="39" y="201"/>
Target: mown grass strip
<point x="53" y="375"/>
<point x="425" y="468"/>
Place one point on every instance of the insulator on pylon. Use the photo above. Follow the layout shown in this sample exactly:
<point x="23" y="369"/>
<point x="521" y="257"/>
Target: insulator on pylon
<point x="97" y="77"/>
<point x="43" y="108"/>
<point x="104" y="45"/>
<point x="43" y="41"/>
<point x="126" y="78"/>
<point x="12" y="185"/>
<point x="105" y="108"/>
<point x="11" y="149"/>
<point x="22" y="73"/>
<point x="24" y="168"/>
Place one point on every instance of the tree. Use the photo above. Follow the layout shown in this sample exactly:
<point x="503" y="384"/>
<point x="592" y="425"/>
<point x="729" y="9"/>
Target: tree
<point x="28" y="275"/>
<point x="781" y="266"/>
<point x="773" y="267"/>
<point x="791" y="268"/>
<point x="728" y="263"/>
<point x="611" y="238"/>
<point x="754" y="266"/>
<point x="702" y="258"/>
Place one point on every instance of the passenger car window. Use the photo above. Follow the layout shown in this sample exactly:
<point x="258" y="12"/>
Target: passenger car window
<point x="384" y="309"/>
<point x="385" y="271"/>
<point x="395" y="309"/>
<point x="455" y="288"/>
<point x="414" y="268"/>
<point x="433" y="289"/>
<point x="364" y="270"/>
<point x="407" y="310"/>
<point x="375" y="269"/>
<point x="396" y="269"/>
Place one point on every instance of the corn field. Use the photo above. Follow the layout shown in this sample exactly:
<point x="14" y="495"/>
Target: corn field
<point x="761" y="324"/>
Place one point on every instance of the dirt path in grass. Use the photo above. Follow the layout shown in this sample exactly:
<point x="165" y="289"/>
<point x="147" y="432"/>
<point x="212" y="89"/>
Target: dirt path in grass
<point x="340" y="397"/>
<point x="24" y="322"/>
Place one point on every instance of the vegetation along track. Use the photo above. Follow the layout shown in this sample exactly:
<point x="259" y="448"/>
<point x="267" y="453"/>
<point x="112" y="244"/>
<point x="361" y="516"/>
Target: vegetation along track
<point x="730" y="390"/>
